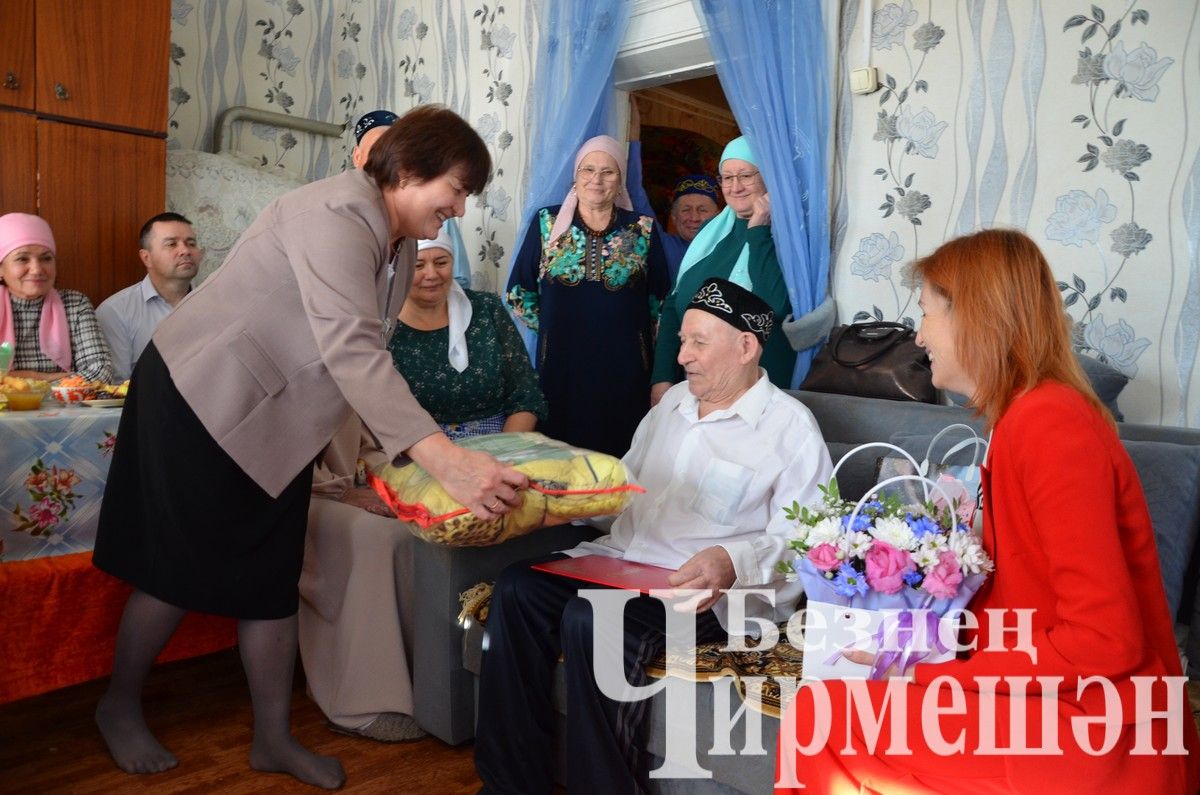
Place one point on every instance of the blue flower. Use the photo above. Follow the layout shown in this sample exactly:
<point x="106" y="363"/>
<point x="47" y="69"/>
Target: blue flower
<point x="921" y="526"/>
<point x="913" y="578"/>
<point x="862" y="523"/>
<point x="849" y="582"/>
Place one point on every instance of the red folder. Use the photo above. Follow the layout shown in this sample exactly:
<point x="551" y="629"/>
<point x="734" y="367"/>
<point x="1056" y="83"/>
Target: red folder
<point x="613" y="572"/>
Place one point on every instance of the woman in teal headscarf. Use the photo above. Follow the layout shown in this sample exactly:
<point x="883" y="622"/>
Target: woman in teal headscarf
<point x="736" y="245"/>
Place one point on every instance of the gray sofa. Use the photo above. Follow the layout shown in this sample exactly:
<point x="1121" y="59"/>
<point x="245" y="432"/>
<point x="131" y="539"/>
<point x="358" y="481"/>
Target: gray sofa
<point x="447" y="656"/>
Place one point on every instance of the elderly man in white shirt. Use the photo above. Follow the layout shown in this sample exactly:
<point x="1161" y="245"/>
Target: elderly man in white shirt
<point x="128" y="318"/>
<point x="720" y="456"/>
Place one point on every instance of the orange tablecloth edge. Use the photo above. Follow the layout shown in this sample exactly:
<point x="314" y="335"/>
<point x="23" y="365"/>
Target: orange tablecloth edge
<point x="58" y="625"/>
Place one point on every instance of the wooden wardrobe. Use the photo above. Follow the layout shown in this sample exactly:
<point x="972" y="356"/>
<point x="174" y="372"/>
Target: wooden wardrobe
<point x="83" y="125"/>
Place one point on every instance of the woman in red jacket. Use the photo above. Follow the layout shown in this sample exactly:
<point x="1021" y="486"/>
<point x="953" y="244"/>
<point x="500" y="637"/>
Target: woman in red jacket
<point x="1066" y="523"/>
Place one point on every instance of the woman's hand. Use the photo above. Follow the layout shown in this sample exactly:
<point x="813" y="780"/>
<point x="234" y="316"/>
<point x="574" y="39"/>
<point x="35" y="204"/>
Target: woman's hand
<point x="867" y="658"/>
<point x="657" y="391"/>
<point x="760" y="211"/>
<point x="366" y="499"/>
<point x="487" y="487"/>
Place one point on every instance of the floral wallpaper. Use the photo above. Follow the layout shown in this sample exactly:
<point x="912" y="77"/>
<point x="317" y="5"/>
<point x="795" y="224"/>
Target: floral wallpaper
<point x="1069" y="120"/>
<point x="333" y="60"/>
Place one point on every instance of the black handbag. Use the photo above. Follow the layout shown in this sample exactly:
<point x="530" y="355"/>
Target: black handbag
<point x="877" y="360"/>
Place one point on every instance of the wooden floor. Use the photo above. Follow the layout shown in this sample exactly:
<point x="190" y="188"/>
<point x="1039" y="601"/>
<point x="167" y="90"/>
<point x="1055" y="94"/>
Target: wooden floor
<point x="200" y="709"/>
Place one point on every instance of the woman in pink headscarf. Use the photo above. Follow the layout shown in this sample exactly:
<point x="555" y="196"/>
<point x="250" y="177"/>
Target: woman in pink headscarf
<point x="590" y="278"/>
<point x="53" y="332"/>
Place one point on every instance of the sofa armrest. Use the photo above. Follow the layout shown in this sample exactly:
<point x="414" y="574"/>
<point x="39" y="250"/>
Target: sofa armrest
<point x="443" y="690"/>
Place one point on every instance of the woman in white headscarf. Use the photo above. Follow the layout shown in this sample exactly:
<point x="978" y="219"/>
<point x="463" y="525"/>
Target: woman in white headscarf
<point x="590" y="278"/>
<point x="460" y="352"/>
<point x="735" y="245"/>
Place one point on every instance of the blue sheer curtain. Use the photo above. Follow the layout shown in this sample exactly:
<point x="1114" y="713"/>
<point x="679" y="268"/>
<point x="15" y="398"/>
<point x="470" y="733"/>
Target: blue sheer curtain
<point x="573" y="97"/>
<point x="772" y="64"/>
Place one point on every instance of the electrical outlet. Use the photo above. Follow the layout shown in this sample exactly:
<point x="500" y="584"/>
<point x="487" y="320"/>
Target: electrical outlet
<point x="865" y="80"/>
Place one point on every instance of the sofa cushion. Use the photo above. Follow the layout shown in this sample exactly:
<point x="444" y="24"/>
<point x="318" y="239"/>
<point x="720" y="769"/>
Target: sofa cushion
<point x="1105" y="379"/>
<point x="1169" y="474"/>
<point x="1108" y="382"/>
<point x="856" y="475"/>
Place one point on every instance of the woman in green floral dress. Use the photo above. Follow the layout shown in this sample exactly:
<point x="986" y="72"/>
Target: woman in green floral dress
<point x="461" y="354"/>
<point x="590" y="278"/>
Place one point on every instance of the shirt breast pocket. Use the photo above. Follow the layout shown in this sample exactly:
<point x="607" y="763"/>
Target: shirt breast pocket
<point x="722" y="487"/>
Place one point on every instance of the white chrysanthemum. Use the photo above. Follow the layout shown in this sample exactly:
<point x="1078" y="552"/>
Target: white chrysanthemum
<point x="970" y="553"/>
<point x="928" y="552"/>
<point x="854" y="545"/>
<point x="894" y="531"/>
<point x="826" y="531"/>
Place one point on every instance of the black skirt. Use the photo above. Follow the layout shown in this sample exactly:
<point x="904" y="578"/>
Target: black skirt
<point x="182" y="522"/>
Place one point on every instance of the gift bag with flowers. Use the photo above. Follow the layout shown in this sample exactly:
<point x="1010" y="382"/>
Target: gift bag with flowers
<point x="885" y="579"/>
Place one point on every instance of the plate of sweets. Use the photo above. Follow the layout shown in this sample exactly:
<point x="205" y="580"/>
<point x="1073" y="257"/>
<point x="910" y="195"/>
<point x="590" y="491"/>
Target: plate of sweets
<point x="108" y="396"/>
<point x="23" y="394"/>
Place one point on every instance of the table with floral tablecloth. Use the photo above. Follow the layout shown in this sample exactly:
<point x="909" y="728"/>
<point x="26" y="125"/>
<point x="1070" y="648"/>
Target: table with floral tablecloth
<point x="53" y="464"/>
<point x="58" y="613"/>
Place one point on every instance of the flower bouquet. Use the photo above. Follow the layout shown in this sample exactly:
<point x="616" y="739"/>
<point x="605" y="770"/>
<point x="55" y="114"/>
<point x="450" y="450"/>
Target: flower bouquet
<point x="883" y="578"/>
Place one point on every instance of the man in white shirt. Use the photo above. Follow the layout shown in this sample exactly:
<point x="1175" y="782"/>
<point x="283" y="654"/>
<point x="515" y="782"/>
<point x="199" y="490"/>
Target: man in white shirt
<point x="128" y="318"/>
<point x="720" y="457"/>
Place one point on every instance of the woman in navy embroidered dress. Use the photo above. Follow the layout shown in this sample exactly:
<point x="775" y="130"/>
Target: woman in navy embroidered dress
<point x="590" y="278"/>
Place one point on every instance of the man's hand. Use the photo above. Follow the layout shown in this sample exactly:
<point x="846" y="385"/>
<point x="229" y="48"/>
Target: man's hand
<point x="708" y="570"/>
<point x="487" y="487"/>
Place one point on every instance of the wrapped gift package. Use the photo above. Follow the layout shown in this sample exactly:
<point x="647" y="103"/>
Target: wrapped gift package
<point x="566" y="483"/>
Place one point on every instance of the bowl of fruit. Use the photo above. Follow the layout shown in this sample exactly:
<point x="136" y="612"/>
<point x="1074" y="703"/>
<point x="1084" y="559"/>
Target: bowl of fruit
<point x="23" y="394"/>
<point x="73" y="389"/>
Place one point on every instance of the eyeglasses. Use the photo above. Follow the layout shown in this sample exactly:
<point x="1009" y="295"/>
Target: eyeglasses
<point x="743" y="179"/>
<point x="587" y="173"/>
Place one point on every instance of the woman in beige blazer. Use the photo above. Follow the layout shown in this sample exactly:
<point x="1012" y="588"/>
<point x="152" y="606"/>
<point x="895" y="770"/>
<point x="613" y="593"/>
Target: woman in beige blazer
<point x="240" y="389"/>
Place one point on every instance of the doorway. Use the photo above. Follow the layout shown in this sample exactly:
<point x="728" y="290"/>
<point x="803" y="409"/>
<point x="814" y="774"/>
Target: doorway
<point x="666" y="67"/>
<point x="684" y="127"/>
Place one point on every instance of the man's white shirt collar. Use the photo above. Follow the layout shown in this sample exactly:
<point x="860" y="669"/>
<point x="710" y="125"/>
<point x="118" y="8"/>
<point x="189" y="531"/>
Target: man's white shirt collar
<point x="749" y="406"/>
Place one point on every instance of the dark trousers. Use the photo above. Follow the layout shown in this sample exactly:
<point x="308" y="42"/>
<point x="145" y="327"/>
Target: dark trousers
<point x="534" y="617"/>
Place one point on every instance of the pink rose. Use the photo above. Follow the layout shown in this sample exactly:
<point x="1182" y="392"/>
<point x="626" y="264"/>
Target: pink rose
<point x="945" y="578"/>
<point x="886" y="567"/>
<point x="824" y="557"/>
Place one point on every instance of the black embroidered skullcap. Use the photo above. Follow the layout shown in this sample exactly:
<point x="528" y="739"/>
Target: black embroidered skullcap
<point x="376" y="118"/>
<point x="736" y="305"/>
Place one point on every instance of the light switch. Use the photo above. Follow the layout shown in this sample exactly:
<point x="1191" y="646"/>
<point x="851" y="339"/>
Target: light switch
<point x="865" y="80"/>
